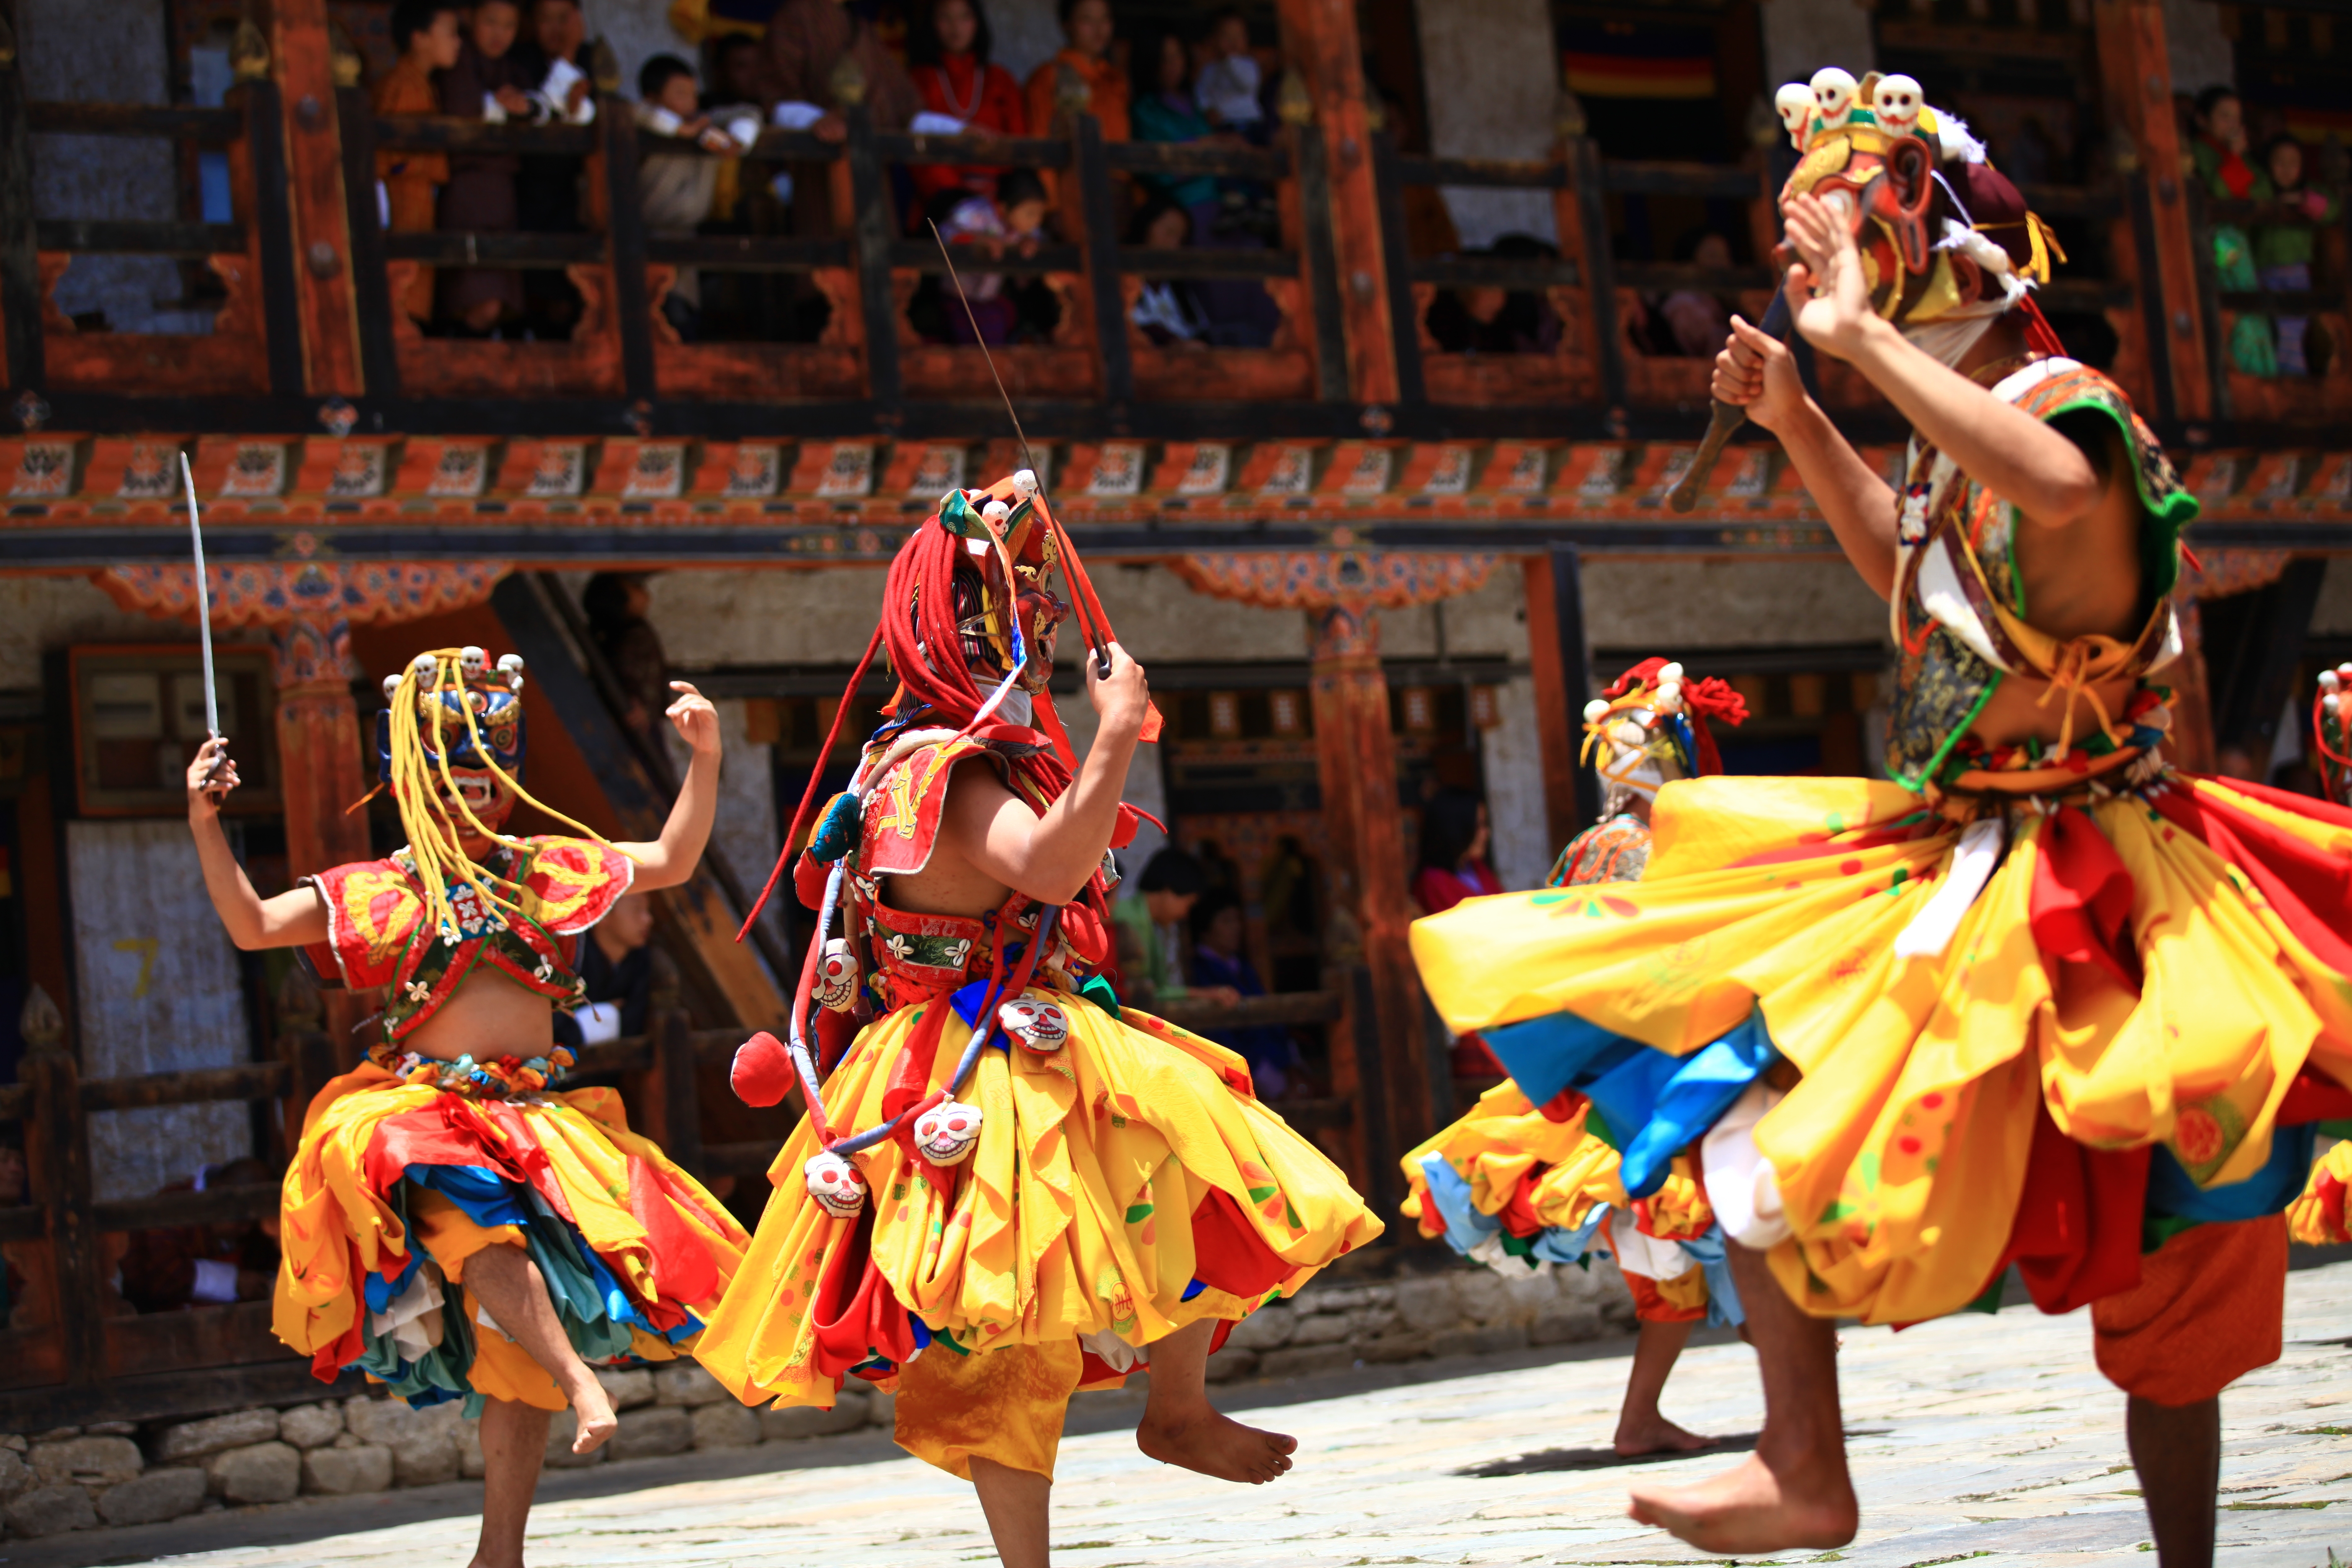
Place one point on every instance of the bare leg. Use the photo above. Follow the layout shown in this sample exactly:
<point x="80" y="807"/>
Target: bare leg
<point x="1180" y="1426"/>
<point x="1016" y="1504"/>
<point x="2176" y="1449"/>
<point x="1793" y="1490"/>
<point x="514" y="1442"/>
<point x="508" y="1282"/>
<point x="1640" y="1429"/>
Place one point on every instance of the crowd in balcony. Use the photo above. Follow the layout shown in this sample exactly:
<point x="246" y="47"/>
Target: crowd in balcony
<point x="2276" y="220"/>
<point x="530" y="62"/>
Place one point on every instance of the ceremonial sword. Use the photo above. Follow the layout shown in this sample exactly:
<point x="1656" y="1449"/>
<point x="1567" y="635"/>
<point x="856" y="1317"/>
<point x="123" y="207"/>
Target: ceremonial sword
<point x="1725" y="418"/>
<point x="203" y="620"/>
<point x="1087" y="627"/>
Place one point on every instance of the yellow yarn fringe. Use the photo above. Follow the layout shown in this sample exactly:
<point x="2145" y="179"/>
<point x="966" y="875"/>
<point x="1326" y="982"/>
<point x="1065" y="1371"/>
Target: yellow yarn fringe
<point x="432" y="834"/>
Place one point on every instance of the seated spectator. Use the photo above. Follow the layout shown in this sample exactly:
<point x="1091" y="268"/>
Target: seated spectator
<point x="426" y="34"/>
<point x="948" y="52"/>
<point x="2282" y="251"/>
<point x="2218" y="153"/>
<point x="1169" y="308"/>
<point x="1219" y="963"/>
<point x="1014" y="220"/>
<point x="552" y="193"/>
<point x="1229" y="84"/>
<point x="1164" y="110"/>
<point x="172" y="1269"/>
<point x="1152" y="923"/>
<point x="1087" y="58"/>
<point x="1454" y="842"/>
<point x="1691" y="322"/>
<point x="615" y="603"/>
<point x="1489" y="319"/>
<point x="675" y="190"/>
<point x="807" y="42"/>
<point x="487" y="84"/>
<point x="616" y="970"/>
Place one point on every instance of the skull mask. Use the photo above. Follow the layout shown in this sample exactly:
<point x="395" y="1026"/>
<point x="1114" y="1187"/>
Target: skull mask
<point x="947" y="1133"/>
<point x="1040" y="1026"/>
<point x="837" y="1185"/>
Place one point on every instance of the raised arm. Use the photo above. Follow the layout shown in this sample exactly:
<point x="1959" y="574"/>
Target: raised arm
<point x="671" y="858"/>
<point x="291" y="918"/>
<point x="1049" y="858"/>
<point x="2045" y="475"/>
<point x="1756" y="372"/>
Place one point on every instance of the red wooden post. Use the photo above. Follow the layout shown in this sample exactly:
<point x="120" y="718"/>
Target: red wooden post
<point x="1559" y="682"/>
<point x="1320" y="41"/>
<point x="1356" y="756"/>
<point x="2137" y="76"/>
<point x="318" y="760"/>
<point x="302" y="59"/>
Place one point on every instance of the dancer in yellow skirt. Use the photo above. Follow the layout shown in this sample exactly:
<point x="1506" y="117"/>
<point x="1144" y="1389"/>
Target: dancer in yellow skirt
<point x="2318" y="1217"/>
<point x="1520" y="1186"/>
<point x="1011" y="1188"/>
<point x="450" y="1226"/>
<point x="2039" y="999"/>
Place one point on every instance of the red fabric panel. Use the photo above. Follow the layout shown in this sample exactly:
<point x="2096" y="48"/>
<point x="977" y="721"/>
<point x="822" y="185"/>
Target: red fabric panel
<point x="449" y="1131"/>
<point x="683" y="1268"/>
<point x="2311" y="891"/>
<point x="1226" y="1252"/>
<point x="1518" y="1214"/>
<point x="2081" y="897"/>
<point x="2076" y="1234"/>
<point x="856" y="1312"/>
<point x="2313" y="1097"/>
<point x="327" y="1363"/>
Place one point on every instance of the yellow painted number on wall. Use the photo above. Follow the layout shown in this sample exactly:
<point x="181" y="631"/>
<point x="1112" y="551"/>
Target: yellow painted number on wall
<point x="146" y="948"/>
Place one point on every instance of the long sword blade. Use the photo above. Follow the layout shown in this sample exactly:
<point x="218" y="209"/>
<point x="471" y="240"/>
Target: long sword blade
<point x="204" y="601"/>
<point x="1086" y="629"/>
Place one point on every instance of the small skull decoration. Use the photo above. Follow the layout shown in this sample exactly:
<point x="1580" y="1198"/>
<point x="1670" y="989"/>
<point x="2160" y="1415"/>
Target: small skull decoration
<point x="837" y="1185"/>
<point x="1794" y="104"/>
<point x="1897" y="106"/>
<point x="837" y="976"/>
<point x="1040" y="1026"/>
<point x="947" y="1133"/>
<point x="1833" y="96"/>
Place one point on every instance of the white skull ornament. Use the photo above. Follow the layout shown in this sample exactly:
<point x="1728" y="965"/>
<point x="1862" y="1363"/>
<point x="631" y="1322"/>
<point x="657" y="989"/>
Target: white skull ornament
<point x="1896" y="105"/>
<point x="838" y="1187"/>
<point x="1794" y="104"/>
<point x="947" y="1133"/>
<point x="1833" y="96"/>
<point x="1040" y="1026"/>
<point x="837" y="976"/>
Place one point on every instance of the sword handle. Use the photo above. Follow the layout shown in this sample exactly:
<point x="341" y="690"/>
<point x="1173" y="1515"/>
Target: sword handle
<point x="1725" y="418"/>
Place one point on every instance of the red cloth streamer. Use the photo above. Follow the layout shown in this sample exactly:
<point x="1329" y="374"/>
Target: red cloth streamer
<point x="817" y="777"/>
<point x="2081" y="900"/>
<point x="2040" y="337"/>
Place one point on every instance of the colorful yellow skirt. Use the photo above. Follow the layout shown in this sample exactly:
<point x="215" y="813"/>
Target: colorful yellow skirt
<point x="1988" y="1031"/>
<point x="1123" y="1186"/>
<point x="394" y="1187"/>
<point x="1514" y="1186"/>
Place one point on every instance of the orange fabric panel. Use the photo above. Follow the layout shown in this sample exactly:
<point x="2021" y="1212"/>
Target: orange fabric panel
<point x="2207" y="1310"/>
<point x="1005" y="1404"/>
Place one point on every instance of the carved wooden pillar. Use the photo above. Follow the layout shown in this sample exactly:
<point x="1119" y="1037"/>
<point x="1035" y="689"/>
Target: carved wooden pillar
<point x="1561" y="667"/>
<point x="303" y="60"/>
<point x="319" y="764"/>
<point x="2158" y="243"/>
<point x="1356" y="756"/>
<point x="1320" y="41"/>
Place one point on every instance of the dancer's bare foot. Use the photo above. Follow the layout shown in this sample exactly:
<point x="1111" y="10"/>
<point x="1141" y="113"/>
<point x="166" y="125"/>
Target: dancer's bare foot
<point x="1656" y="1434"/>
<point x="1750" y="1508"/>
<point x="594" y="1411"/>
<point x="1199" y="1438"/>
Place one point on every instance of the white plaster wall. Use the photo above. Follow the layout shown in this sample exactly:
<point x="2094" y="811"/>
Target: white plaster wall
<point x="710" y="619"/>
<point x="1491" y="622"/>
<point x="2200" y="55"/>
<point x="637" y="30"/>
<point x="1800" y="36"/>
<point x="1523" y="850"/>
<point x="2332" y="615"/>
<point x="73" y="50"/>
<point x="746" y="832"/>
<point x="1726" y="604"/>
<point x="1157" y="617"/>
<point x="41" y="613"/>
<point x="1492" y="77"/>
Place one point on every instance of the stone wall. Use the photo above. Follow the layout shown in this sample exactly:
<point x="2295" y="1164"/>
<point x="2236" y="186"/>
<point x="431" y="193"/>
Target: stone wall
<point x="124" y="1473"/>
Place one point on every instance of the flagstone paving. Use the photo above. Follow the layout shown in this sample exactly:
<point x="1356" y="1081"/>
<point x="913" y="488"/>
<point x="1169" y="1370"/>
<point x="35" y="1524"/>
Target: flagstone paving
<point x="1990" y="1439"/>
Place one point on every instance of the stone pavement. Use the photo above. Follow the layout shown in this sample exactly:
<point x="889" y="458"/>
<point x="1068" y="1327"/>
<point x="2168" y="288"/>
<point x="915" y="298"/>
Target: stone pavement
<point x="1989" y="1440"/>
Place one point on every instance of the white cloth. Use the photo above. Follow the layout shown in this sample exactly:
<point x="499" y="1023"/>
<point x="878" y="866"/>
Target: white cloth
<point x="560" y="78"/>
<point x="600" y="1022"/>
<point x="1115" y="1353"/>
<point x="930" y="122"/>
<point x="1647" y="1256"/>
<point x="795" y="114"/>
<point x="412" y="1320"/>
<point x="1227" y="88"/>
<point x="1973" y="860"/>
<point x="1741" y="1186"/>
<point x="216" y="1281"/>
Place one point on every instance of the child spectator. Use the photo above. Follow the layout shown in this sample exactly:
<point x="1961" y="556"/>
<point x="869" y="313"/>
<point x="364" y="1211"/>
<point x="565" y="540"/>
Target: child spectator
<point x="1455" y="837"/>
<point x="1168" y="310"/>
<point x="426" y="34"/>
<point x="2282" y="251"/>
<point x="553" y="56"/>
<point x="1087" y="55"/>
<point x="485" y="84"/>
<point x="2219" y="152"/>
<point x="675" y="190"/>
<point x="1219" y="963"/>
<point x="948" y="52"/>
<point x="1012" y="220"/>
<point x="1228" y="85"/>
<point x="1165" y="110"/>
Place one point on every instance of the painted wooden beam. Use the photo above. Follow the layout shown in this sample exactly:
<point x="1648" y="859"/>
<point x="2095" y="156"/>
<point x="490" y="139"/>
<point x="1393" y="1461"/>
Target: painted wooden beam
<point x="1320" y="41"/>
<point x="302" y="70"/>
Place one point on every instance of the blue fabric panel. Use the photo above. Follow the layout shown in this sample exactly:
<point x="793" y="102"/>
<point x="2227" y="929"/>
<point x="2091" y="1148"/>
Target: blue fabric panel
<point x="381" y="1291"/>
<point x="1700" y="1090"/>
<point x="1465" y="1228"/>
<point x="1722" y="1296"/>
<point x="1559" y="1245"/>
<point x="1190" y="1291"/>
<point x="487" y="1197"/>
<point x="1548" y="1054"/>
<point x="2172" y="1191"/>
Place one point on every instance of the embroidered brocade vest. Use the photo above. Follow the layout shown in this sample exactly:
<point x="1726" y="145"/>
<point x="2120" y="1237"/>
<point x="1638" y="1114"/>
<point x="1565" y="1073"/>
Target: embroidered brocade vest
<point x="1958" y="610"/>
<point x="377" y="933"/>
